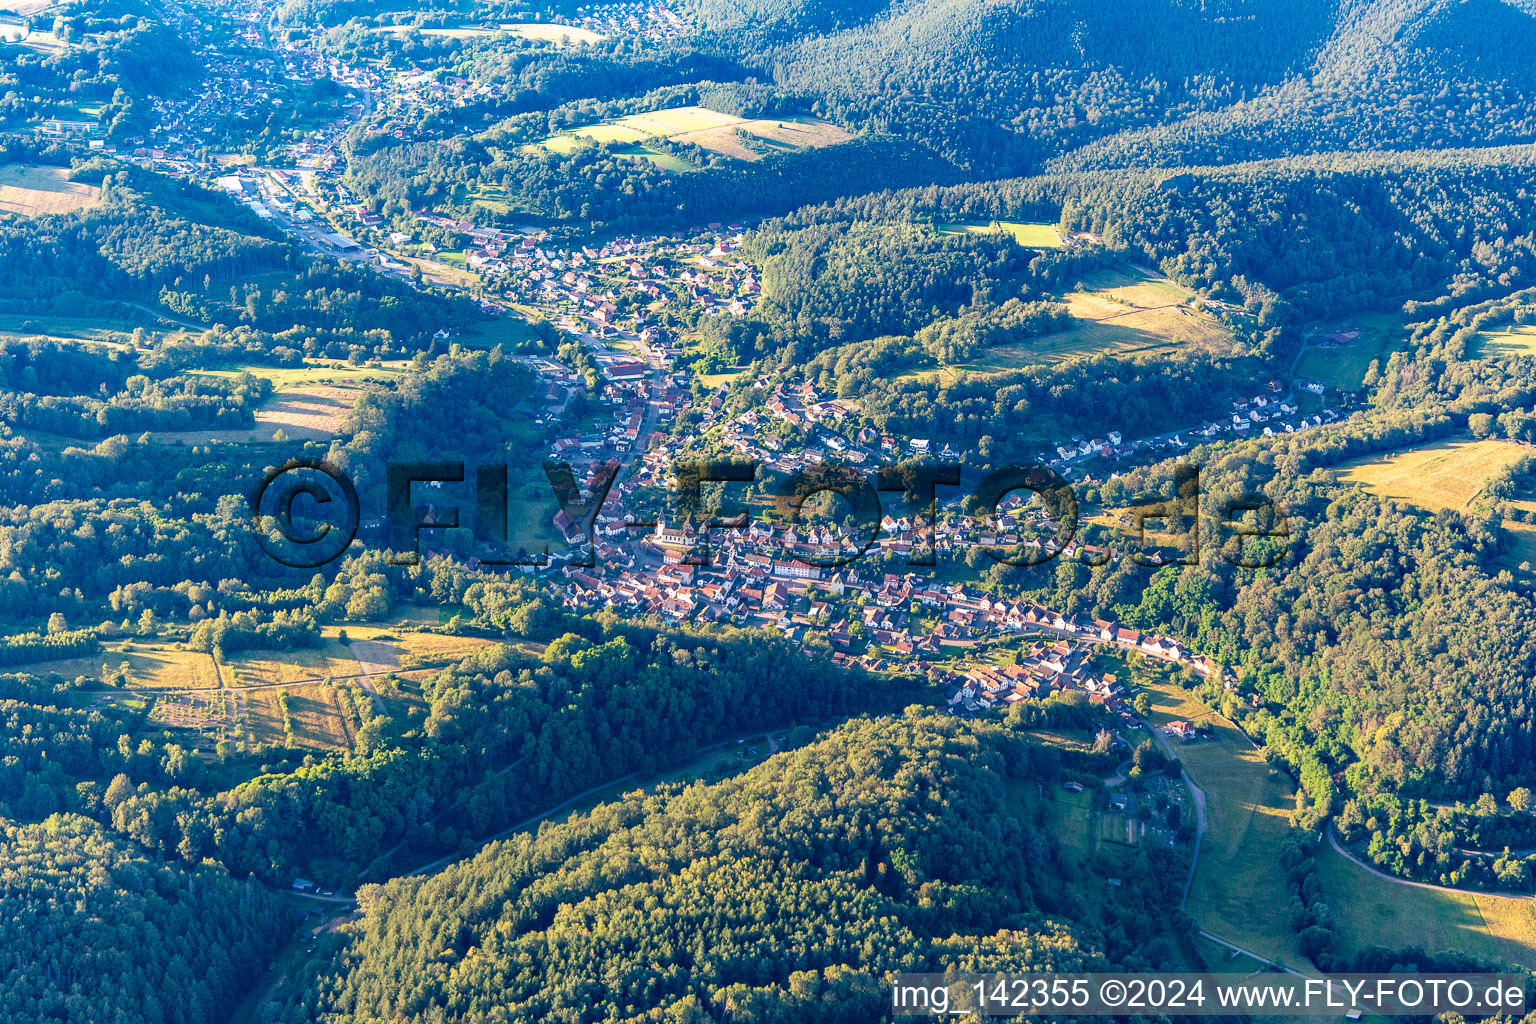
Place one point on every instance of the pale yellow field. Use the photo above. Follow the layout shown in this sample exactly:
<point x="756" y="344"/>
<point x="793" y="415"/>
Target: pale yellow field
<point x="427" y="648"/>
<point x="263" y="668"/>
<point x="27" y="8"/>
<point x="149" y="667"/>
<point x="302" y="413"/>
<point x="1118" y="313"/>
<point x="41" y="191"/>
<point x="563" y="35"/>
<point x="708" y="129"/>
<point x="1515" y="340"/>
<point x="1036" y="236"/>
<point x="1446" y="474"/>
<point x="317" y="721"/>
<point x="1372" y="910"/>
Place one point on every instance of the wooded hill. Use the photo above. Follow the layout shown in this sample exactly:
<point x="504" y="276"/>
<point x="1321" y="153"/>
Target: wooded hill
<point x="782" y="894"/>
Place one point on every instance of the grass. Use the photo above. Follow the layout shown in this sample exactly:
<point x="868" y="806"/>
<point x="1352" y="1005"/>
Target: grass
<point x="306" y="413"/>
<point x="152" y="667"/>
<point x="1371" y="910"/>
<point x="714" y="380"/>
<point x="1238" y="880"/>
<point x="42" y="191"/>
<point x="1120" y="313"/>
<point x="561" y="35"/>
<point x="317" y="720"/>
<point x="264" y="668"/>
<point x="1033" y="236"/>
<point x="705" y="128"/>
<point x="530" y="523"/>
<point x="1239" y="884"/>
<point x="506" y="330"/>
<point x="1516" y="340"/>
<point x="70" y="328"/>
<point x="1344" y="366"/>
<point x="319" y="373"/>
<point x="1517" y="546"/>
<point x="424" y="648"/>
<point x="1442" y="475"/>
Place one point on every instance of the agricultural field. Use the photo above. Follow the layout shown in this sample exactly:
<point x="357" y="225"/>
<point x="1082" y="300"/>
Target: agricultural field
<point x="707" y="129"/>
<point x="207" y="715"/>
<point x="564" y="35"/>
<point x="307" y="413"/>
<point x="1238" y="878"/>
<point x="1511" y="342"/>
<point x="1119" y="313"/>
<point x="39" y="41"/>
<point x="149" y="667"/>
<point x="317" y="373"/>
<point x="1517" y="547"/>
<point x="41" y="191"/>
<point x="1442" y="475"/>
<point x="1338" y="353"/>
<point x="1033" y="236"/>
<point x="1372" y="910"/>
<point x="66" y="328"/>
<point x="510" y="331"/>
<point x="1247" y="804"/>
<point x="561" y="35"/>
<point x="312" y="709"/>
<point x="331" y="660"/>
<point x="435" y="648"/>
<point x="26" y="8"/>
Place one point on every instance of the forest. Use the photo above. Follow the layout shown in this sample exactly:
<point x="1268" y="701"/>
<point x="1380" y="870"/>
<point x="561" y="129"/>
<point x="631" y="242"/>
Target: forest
<point x="781" y="894"/>
<point x="1276" y="170"/>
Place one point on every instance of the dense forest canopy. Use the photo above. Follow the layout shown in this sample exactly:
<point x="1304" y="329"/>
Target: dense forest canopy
<point x="887" y="845"/>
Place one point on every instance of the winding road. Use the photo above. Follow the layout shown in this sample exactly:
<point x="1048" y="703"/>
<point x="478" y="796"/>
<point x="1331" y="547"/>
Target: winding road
<point x="1340" y="848"/>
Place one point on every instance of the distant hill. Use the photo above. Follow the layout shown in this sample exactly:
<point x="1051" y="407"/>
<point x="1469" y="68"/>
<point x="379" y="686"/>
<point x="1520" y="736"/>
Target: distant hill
<point x="1005" y="83"/>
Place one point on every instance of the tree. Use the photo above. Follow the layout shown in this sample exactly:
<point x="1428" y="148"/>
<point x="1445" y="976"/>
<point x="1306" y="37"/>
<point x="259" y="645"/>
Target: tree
<point x="1520" y="799"/>
<point x="57" y="624"/>
<point x="120" y="790"/>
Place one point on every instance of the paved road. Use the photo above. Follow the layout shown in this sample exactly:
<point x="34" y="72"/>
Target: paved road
<point x="1333" y="841"/>
<point x="1247" y="952"/>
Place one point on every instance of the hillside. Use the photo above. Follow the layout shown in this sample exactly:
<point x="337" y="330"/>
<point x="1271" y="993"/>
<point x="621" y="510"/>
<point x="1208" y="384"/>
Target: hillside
<point x="886" y="845"/>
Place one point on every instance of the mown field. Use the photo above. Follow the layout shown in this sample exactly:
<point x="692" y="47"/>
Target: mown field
<point x="1034" y="236"/>
<point x="1238" y="881"/>
<point x="149" y="666"/>
<point x="1371" y="910"/>
<point x="1509" y="343"/>
<point x="312" y="710"/>
<point x="40" y="191"/>
<point x="330" y="660"/>
<point x="1442" y="475"/>
<point x="707" y="129"/>
<point x="1239" y="886"/>
<point x="1118" y="312"/>
<point x="1344" y="366"/>
<point x="302" y="413"/>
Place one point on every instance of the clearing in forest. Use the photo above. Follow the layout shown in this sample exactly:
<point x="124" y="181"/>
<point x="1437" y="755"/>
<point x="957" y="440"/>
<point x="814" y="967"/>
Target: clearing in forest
<point x="33" y="191"/>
